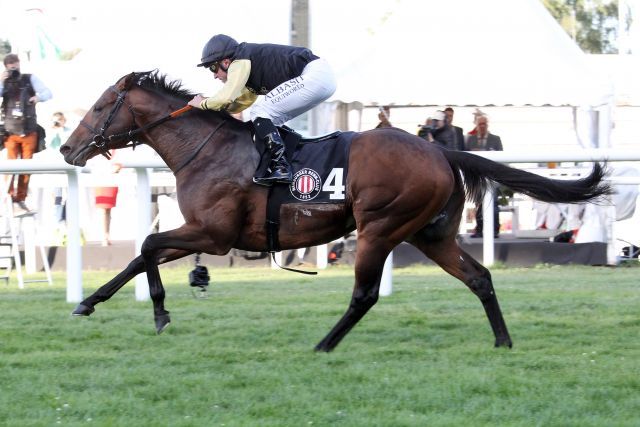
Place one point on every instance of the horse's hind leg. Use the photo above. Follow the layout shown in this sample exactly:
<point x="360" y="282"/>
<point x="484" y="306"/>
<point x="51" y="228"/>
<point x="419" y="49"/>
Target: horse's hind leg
<point x="448" y="255"/>
<point x="370" y="259"/>
<point x="106" y="291"/>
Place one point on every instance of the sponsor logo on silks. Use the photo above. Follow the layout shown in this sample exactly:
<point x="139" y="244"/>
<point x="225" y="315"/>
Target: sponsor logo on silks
<point x="306" y="184"/>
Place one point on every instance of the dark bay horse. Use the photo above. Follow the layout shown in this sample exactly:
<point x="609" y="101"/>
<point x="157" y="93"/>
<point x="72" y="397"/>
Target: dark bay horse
<point x="399" y="188"/>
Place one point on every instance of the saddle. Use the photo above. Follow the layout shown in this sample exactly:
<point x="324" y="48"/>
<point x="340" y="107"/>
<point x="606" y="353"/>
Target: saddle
<point x="319" y="166"/>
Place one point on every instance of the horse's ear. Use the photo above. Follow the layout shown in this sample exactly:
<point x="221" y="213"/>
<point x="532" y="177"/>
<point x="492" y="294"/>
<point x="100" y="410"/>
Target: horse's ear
<point x="134" y="78"/>
<point x="126" y="82"/>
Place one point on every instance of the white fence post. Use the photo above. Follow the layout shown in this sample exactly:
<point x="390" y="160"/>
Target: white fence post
<point x="488" y="254"/>
<point x="386" y="282"/>
<point x="276" y="260"/>
<point x="321" y="254"/>
<point x="74" y="250"/>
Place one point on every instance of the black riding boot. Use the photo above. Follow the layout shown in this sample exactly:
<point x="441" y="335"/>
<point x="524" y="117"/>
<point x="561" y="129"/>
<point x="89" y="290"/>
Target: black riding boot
<point x="279" y="169"/>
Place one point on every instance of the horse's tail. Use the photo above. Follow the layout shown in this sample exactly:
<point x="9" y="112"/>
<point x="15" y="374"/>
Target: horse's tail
<point x="478" y="172"/>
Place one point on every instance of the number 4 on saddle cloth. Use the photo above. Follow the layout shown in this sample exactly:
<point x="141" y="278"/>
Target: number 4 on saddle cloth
<point x="319" y="166"/>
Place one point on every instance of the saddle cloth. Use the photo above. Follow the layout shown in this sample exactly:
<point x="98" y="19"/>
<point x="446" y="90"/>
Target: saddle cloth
<point x="319" y="166"/>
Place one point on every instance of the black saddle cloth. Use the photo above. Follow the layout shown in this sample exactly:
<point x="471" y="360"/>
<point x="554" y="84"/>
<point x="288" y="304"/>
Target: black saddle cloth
<point x="319" y="166"/>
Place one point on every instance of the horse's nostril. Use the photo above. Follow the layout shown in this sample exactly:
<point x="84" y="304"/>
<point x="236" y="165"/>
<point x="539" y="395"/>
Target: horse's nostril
<point x="64" y="149"/>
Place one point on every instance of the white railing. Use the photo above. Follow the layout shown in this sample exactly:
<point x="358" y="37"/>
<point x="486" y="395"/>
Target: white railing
<point x="143" y="168"/>
<point x="589" y="155"/>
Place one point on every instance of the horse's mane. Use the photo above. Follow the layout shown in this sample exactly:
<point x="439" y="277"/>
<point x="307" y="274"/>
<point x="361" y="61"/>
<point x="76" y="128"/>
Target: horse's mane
<point x="160" y="83"/>
<point x="157" y="82"/>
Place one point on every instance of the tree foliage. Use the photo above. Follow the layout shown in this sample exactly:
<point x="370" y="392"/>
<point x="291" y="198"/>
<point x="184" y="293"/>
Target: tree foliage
<point x="593" y="24"/>
<point x="5" y="48"/>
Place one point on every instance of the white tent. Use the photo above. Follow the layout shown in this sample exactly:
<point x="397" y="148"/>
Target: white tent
<point x="120" y="36"/>
<point x="623" y="71"/>
<point x="454" y="52"/>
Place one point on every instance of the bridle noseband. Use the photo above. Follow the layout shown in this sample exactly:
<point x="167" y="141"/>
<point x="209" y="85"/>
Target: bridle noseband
<point x="99" y="140"/>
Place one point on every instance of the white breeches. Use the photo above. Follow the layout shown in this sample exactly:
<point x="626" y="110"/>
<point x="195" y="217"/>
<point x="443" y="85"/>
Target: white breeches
<point x="298" y="95"/>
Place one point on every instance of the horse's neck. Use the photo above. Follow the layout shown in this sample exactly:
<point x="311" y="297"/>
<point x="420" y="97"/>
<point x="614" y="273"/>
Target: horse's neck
<point x="222" y="142"/>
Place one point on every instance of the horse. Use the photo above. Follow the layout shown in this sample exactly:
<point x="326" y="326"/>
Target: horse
<point x="399" y="189"/>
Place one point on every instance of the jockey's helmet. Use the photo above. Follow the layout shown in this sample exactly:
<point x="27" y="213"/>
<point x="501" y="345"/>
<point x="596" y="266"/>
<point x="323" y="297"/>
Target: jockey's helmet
<point x="218" y="48"/>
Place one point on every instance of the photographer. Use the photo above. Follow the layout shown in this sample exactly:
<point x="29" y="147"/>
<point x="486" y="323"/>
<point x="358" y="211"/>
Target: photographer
<point x="20" y="93"/>
<point x="437" y="130"/>
<point x="58" y="133"/>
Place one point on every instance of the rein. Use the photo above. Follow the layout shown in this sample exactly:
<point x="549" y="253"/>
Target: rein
<point x="133" y="132"/>
<point x="99" y="139"/>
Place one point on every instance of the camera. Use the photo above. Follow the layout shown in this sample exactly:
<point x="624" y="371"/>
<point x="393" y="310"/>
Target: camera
<point x="425" y="130"/>
<point x="56" y="124"/>
<point x="14" y="74"/>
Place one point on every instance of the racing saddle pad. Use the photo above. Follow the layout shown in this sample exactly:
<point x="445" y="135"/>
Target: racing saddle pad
<point x="319" y="166"/>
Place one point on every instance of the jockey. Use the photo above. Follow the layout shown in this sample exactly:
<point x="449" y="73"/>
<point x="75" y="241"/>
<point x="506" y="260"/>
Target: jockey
<point x="292" y="79"/>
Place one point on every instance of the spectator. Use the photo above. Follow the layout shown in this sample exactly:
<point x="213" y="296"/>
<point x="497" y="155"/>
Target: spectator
<point x="156" y="194"/>
<point x="106" y="197"/>
<point x="437" y="130"/>
<point x="476" y="113"/>
<point x="57" y="135"/>
<point x="483" y="140"/>
<point x="383" y="115"/>
<point x="458" y="134"/>
<point x="20" y="94"/>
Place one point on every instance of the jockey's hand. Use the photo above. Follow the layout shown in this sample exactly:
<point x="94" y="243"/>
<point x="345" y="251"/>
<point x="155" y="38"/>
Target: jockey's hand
<point x="196" y="101"/>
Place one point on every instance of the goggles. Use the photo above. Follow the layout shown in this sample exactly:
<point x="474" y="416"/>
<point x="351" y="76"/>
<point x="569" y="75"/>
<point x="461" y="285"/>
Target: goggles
<point x="214" y="67"/>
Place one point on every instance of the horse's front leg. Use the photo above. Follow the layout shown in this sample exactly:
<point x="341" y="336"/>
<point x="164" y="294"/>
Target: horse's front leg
<point x="190" y="238"/>
<point x="156" y="290"/>
<point x="135" y="267"/>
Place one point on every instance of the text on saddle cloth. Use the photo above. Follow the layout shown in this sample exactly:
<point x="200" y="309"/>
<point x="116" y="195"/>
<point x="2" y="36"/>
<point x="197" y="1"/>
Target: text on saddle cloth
<point x="319" y="175"/>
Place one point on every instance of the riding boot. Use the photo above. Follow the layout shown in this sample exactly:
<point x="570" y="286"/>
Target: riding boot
<point x="279" y="170"/>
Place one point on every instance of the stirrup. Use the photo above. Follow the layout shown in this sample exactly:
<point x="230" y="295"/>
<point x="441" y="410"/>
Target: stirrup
<point x="260" y="181"/>
<point x="276" y="177"/>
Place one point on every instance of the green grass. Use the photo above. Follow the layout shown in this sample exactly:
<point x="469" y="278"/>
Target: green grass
<point x="244" y="357"/>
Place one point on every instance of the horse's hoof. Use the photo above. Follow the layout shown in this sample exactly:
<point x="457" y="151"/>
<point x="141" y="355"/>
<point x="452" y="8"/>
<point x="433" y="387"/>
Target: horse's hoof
<point x="162" y="322"/>
<point x="503" y="342"/>
<point x="82" y="310"/>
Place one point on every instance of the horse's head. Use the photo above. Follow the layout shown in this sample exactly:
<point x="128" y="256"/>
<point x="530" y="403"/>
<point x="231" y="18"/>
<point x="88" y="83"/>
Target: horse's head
<point x="107" y="125"/>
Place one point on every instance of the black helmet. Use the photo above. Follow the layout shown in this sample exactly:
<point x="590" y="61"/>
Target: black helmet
<point x="217" y="48"/>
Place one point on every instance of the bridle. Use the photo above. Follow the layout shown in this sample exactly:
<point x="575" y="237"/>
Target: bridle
<point x="100" y="141"/>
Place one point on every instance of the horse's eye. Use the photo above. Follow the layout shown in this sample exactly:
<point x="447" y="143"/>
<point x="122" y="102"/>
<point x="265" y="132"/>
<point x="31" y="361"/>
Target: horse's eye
<point x="97" y="109"/>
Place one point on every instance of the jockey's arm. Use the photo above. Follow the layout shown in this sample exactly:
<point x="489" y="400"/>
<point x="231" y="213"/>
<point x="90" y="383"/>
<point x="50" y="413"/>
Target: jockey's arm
<point x="242" y="102"/>
<point x="233" y="89"/>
